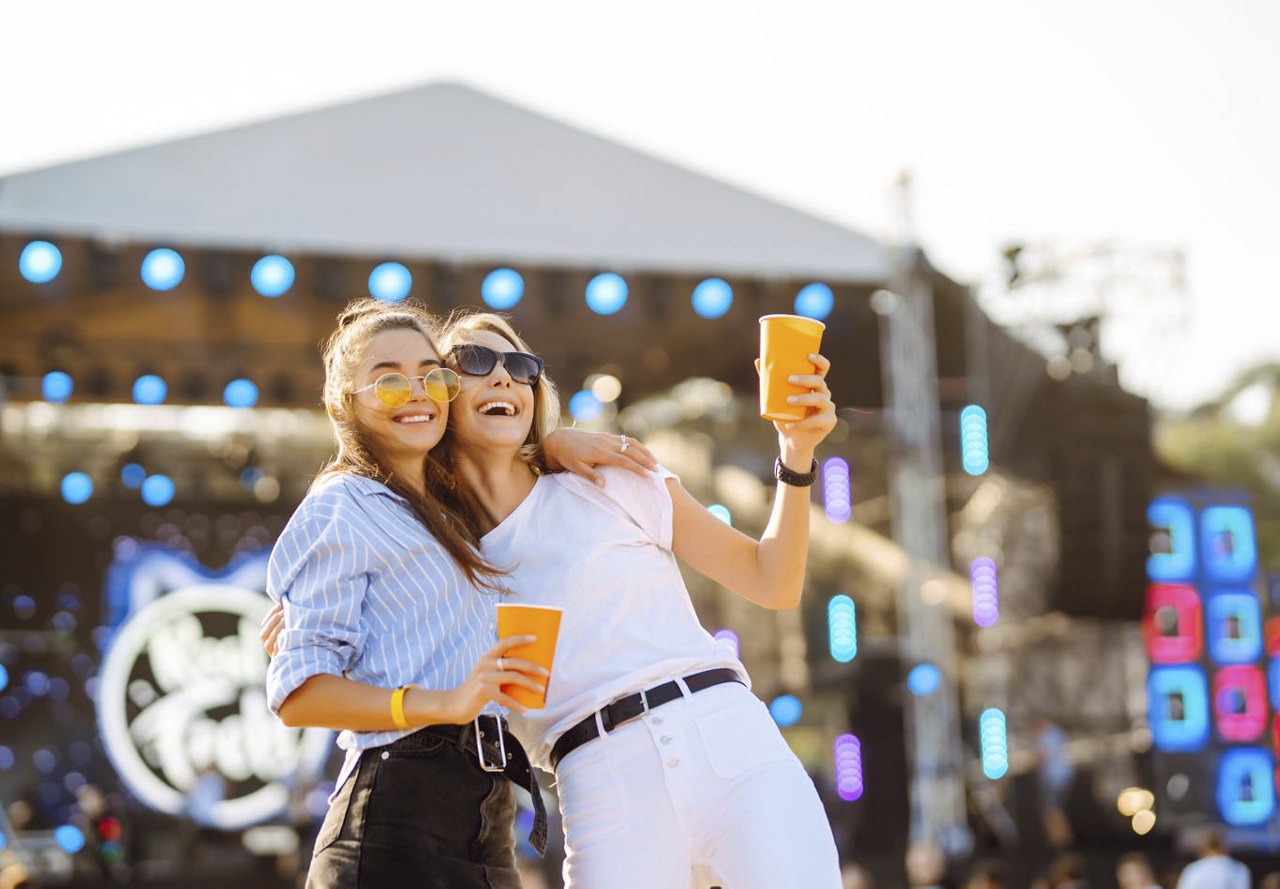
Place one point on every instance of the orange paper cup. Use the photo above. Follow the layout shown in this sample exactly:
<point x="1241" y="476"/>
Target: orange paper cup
<point x="542" y="621"/>
<point x="785" y="344"/>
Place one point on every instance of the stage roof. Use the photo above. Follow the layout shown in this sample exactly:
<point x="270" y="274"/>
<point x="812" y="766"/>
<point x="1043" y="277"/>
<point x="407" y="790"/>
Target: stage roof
<point x="441" y="171"/>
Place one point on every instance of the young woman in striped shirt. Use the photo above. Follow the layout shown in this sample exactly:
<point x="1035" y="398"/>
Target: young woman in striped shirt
<point x="387" y="632"/>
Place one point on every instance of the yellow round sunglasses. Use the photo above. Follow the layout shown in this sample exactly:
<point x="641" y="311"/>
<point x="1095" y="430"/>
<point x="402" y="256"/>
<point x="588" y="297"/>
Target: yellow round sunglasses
<point x="395" y="389"/>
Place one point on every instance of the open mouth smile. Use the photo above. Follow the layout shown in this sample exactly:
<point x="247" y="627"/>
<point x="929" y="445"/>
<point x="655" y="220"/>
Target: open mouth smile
<point x="498" y="408"/>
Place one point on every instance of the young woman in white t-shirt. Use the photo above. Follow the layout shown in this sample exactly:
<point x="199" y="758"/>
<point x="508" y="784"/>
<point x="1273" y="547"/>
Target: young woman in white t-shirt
<point x="670" y="772"/>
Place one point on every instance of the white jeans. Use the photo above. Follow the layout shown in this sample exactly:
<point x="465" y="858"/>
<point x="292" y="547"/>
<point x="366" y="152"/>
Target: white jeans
<point x="703" y="791"/>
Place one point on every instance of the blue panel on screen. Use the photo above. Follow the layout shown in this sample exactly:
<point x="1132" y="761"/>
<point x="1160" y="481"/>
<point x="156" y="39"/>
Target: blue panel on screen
<point x="1175" y="527"/>
<point x="1234" y="627"/>
<point x="1246" y="791"/>
<point x="1227" y="547"/>
<point x="1273" y="683"/>
<point x="1178" y="708"/>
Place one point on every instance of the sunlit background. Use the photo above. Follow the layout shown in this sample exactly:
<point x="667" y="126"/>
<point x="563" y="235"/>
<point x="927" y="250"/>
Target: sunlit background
<point x="1041" y="614"/>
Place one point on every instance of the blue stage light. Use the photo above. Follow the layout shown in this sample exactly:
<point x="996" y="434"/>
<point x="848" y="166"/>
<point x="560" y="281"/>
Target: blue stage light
<point x="157" y="490"/>
<point x="132" y="475"/>
<point x="69" y="838"/>
<point x="40" y="262"/>
<point x="502" y="289"/>
<point x="150" y="389"/>
<point x="994" y="739"/>
<point x="163" y="269"/>
<point x="842" y="628"/>
<point x="390" y="282"/>
<point x="37" y="683"/>
<point x="973" y="440"/>
<point x="76" y="487"/>
<point x="56" y="387"/>
<point x="720" y="511"/>
<point x="924" y="679"/>
<point x="249" y="477"/>
<point x="272" y="276"/>
<point x="584" y="406"/>
<point x="6" y="758"/>
<point x="240" y="393"/>
<point x="712" y="298"/>
<point x="4" y="677"/>
<point x="815" y="301"/>
<point x="606" y="293"/>
<point x="786" y="710"/>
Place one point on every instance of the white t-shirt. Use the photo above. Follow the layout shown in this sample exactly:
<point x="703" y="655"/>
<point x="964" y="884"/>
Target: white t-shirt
<point x="1215" y="872"/>
<point x="604" y="556"/>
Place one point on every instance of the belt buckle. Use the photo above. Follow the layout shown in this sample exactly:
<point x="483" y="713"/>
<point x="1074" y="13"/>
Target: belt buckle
<point x="502" y="744"/>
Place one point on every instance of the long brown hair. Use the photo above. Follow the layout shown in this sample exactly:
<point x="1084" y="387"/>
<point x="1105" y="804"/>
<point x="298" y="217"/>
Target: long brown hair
<point x="357" y="453"/>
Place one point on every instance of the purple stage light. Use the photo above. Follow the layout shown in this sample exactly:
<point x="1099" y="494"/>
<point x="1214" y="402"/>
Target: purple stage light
<point x="727" y="635"/>
<point x="848" y="755"/>
<point x="837" y="497"/>
<point x="986" y="593"/>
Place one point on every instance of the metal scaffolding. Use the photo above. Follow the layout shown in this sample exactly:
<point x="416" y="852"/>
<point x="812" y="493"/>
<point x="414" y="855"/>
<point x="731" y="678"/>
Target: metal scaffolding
<point x="926" y="631"/>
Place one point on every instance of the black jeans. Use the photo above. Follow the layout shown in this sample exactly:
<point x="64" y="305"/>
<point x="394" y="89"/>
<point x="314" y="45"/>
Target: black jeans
<point x="418" y="813"/>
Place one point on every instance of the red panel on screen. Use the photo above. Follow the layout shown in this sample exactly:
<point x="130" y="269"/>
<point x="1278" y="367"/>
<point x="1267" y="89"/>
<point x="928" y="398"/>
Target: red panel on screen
<point x="1239" y="703"/>
<point x="1173" y="623"/>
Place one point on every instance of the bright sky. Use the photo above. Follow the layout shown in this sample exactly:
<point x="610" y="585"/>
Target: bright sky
<point x="1150" y="124"/>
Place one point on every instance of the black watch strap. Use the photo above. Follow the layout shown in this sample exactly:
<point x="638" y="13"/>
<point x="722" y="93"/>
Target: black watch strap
<point x="795" y="479"/>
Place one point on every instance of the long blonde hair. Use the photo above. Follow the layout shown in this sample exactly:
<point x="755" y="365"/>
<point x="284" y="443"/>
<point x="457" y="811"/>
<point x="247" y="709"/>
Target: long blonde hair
<point x="546" y="400"/>
<point x="440" y="513"/>
<point x="546" y="406"/>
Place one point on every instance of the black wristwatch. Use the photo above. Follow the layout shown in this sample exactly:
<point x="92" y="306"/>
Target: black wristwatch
<point x="795" y="479"/>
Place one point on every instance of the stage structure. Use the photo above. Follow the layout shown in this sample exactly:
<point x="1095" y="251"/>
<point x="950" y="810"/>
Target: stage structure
<point x="160" y="309"/>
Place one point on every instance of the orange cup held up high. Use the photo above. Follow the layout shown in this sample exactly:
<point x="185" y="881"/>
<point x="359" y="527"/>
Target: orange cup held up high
<point x="786" y="342"/>
<point x="542" y="621"/>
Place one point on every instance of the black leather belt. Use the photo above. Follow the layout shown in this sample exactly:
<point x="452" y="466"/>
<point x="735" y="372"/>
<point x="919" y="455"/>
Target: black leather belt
<point x="628" y="708"/>
<point x="490" y="740"/>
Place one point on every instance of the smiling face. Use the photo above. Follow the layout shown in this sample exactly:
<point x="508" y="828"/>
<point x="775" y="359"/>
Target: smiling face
<point x="493" y="412"/>
<point x="410" y="431"/>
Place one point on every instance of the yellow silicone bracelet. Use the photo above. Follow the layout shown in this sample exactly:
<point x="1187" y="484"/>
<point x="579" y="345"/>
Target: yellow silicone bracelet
<point x="397" y="707"/>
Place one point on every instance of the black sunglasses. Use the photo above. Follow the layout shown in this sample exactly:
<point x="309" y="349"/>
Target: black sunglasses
<point x="479" y="361"/>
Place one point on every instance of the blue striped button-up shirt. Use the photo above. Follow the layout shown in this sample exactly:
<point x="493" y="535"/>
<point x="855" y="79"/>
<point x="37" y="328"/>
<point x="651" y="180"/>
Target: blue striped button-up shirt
<point x="369" y="594"/>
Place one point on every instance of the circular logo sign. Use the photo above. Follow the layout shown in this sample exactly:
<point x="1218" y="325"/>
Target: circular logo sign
<point x="183" y="712"/>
